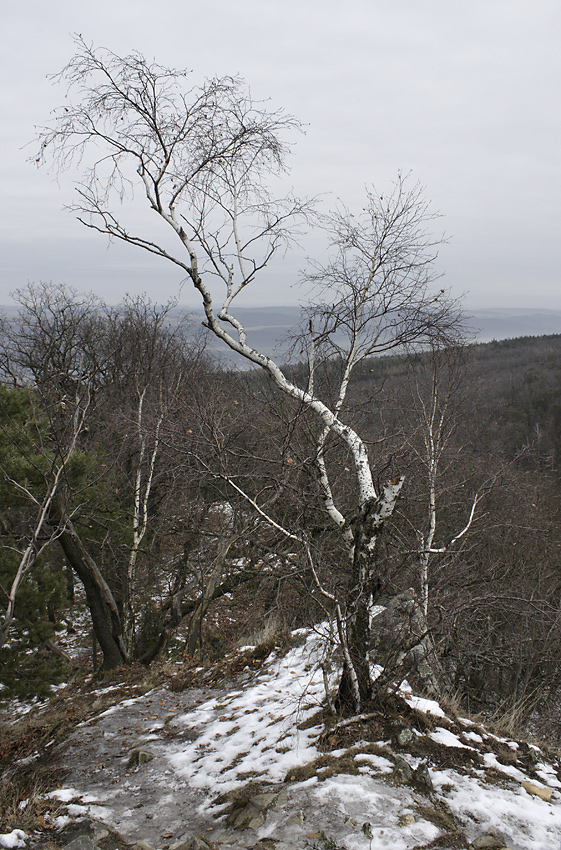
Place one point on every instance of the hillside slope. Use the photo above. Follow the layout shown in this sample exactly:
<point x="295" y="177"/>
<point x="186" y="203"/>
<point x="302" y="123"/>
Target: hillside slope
<point x="255" y="762"/>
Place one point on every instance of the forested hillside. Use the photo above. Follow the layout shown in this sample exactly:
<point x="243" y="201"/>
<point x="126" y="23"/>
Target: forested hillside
<point x="172" y="497"/>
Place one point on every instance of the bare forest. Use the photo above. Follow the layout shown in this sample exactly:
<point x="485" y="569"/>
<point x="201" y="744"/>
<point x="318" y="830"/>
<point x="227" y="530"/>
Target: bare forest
<point x="391" y="477"/>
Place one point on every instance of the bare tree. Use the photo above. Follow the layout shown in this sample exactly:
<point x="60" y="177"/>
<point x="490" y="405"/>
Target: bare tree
<point x="53" y="347"/>
<point x="102" y="382"/>
<point x="438" y="379"/>
<point x="148" y="358"/>
<point x="205" y="158"/>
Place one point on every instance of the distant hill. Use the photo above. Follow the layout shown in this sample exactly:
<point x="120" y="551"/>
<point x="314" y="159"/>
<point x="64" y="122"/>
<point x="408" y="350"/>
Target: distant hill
<point x="269" y="327"/>
<point x="500" y="323"/>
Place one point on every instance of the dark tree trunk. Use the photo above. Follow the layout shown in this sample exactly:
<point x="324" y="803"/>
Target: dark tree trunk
<point x="69" y="583"/>
<point x="176" y="610"/>
<point x="368" y="527"/>
<point x="358" y="616"/>
<point x="103" y="609"/>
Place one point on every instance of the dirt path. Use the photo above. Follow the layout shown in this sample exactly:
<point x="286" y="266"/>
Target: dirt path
<point x="146" y="800"/>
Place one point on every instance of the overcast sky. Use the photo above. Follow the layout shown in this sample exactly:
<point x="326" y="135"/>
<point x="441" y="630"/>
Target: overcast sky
<point x="466" y="95"/>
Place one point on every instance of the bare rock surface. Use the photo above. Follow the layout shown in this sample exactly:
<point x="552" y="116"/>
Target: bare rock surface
<point x="119" y="760"/>
<point x="145" y="802"/>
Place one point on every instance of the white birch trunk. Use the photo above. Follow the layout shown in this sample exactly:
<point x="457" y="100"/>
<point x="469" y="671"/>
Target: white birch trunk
<point x="142" y="490"/>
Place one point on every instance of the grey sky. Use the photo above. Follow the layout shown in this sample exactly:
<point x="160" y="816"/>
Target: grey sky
<point x="465" y="95"/>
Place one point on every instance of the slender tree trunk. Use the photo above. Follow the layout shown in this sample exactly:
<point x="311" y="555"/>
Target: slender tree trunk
<point x="358" y="613"/>
<point x="208" y="589"/>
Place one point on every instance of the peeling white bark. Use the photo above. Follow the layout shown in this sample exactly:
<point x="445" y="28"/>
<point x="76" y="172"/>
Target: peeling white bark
<point x="142" y="490"/>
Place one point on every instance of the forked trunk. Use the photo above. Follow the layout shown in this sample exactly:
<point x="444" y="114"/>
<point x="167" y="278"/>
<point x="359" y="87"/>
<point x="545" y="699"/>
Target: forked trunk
<point x="355" y="688"/>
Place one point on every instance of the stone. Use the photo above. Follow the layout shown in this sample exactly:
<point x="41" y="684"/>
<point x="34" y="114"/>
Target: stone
<point x="530" y="755"/>
<point x="422" y="779"/>
<point x="249" y="817"/>
<point x="297" y="819"/>
<point x="490" y="840"/>
<point x="263" y="801"/>
<point x="424" y="670"/>
<point x="404" y="736"/>
<point x="138" y="757"/>
<point x="142" y="845"/>
<point x="252" y="814"/>
<point x="86" y="827"/>
<point x="197" y="842"/>
<point x="402" y="772"/>
<point x="400" y="628"/>
<point x="256" y="822"/>
<point x="99" y="831"/>
<point x="538" y="791"/>
<point x="81" y="843"/>
<point x="407" y="819"/>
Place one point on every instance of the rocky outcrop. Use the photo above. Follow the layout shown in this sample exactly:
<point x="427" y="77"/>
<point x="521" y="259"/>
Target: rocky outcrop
<point x="401" y="642"/>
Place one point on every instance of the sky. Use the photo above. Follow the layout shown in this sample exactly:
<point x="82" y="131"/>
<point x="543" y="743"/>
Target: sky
<point x="465" y="96"/>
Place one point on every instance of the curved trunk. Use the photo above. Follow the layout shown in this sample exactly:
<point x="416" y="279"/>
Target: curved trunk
<point x="106" y="621"/>
<point x="176" y="609"/>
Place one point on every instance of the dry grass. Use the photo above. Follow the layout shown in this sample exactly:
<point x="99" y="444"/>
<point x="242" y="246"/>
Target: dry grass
<point x="22" y="798"/>
<point x="512" y="719"/>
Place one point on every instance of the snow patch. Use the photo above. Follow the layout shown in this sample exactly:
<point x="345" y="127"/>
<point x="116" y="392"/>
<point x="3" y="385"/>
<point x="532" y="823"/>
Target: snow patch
<point x="427" y="706"/>
<point x="15" y="838"/>
<point x="447" y="738"/>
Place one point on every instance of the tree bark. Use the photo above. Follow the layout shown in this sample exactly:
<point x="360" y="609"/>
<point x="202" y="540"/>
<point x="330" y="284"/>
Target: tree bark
<point x="368" y="526"/>
<point x="106" y="621"/>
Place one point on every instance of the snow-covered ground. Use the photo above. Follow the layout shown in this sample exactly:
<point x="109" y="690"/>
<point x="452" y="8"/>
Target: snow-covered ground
<point x="264" y="731"/>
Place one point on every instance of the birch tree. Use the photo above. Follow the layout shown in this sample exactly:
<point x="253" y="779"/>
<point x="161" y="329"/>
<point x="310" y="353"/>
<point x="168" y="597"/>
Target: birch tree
<point x="147" y="359"/>
<point x="438" y="380"/>
<point x="205" y="159"/>
<point x="53" y="348"/>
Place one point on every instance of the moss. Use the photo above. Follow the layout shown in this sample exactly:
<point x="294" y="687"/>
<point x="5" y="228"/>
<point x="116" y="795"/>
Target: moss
<point x="323" y="767"/>
<point x="441" y="817"/>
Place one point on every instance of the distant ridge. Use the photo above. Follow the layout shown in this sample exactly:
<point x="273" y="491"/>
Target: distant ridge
<point x="268" y="327"/>
<point x="499" y="323"/>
